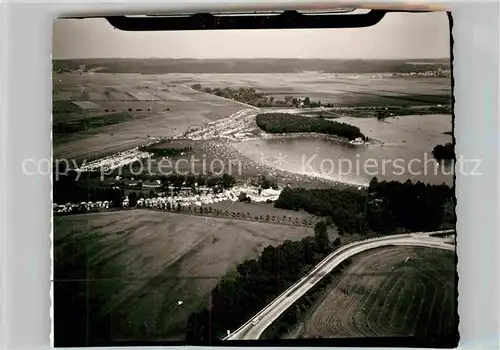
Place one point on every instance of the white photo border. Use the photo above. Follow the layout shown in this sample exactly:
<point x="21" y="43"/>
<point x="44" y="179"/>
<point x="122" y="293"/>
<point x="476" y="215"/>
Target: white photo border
<point x="25" y="132"/>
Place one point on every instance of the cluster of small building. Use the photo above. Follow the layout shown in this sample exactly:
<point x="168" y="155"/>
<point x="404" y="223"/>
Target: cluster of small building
<point x="83" y="206"/>
<point x="185" y="199"/>
<point x="174" y="201"/>
<point x="182" y="199"/>
<point x="442" y="73"/>
<point x="116" y="160"/>
<point x="223" y="128"/>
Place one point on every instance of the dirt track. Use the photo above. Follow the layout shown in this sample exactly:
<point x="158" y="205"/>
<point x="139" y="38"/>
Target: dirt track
<point x="384" y="294"/>
<point x="139" y="264"/>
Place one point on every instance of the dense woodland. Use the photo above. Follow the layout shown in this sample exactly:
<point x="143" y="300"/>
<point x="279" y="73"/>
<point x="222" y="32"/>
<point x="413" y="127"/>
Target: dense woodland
<point x="290" y="123"/>
<point x="71" y="188"/>
<point x="385" y="207"/>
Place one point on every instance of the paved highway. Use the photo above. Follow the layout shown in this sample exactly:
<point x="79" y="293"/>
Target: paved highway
<point x="254" y="328"/>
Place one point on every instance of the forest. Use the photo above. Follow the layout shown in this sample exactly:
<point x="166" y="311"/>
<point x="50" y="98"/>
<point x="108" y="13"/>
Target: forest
<point x="72" y="126"/>
<point x="385" y="207"/>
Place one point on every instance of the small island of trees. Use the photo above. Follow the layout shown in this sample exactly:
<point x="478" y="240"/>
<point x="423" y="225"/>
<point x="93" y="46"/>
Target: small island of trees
<point x="292" y="123"/>
<point x="446" y="152"/>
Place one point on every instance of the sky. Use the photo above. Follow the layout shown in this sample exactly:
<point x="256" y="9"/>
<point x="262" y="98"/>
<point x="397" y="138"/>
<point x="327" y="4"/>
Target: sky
<point x="397" y="35"/>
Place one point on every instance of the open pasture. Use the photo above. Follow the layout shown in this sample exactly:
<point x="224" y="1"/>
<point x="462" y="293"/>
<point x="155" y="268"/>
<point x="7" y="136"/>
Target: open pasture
<point x="397" y="291"/>
<point x="127" y="271"/>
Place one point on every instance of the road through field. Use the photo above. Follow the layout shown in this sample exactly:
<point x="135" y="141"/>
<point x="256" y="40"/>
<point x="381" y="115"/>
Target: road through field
<point x="254" y="328"/>
<point x="136" y="265"/>
<point x="385" y="292"/>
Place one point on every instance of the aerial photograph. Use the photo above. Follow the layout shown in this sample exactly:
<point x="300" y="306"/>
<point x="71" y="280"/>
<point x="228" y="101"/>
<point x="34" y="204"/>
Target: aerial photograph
<point x="254" y="186"/>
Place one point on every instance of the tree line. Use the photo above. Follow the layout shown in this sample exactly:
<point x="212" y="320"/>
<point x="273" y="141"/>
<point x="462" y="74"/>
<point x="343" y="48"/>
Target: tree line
<point x="301" y="307"/>
<point x="259" y="99"/>
<point x="72" y="187"/>
<point x="257" y="282"/>
<point x="292" y="123"/>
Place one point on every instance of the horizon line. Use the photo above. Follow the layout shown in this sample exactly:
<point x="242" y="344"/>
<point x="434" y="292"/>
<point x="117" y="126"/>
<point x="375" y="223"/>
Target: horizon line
<point x="252" y="58"/>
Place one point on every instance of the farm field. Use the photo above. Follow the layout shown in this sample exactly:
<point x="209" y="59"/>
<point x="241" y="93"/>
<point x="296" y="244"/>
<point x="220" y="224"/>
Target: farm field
<point x="138" y="274"/>
<point x="344" y="89"/>
<point x="397" y="291"/>
<point x="155" y="109"/>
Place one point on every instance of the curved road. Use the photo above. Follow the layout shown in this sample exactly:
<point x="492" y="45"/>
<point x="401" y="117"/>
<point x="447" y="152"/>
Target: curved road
<point x="254" y="328"/>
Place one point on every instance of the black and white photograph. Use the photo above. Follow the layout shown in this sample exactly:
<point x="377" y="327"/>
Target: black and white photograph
<point x="255" y="186"/>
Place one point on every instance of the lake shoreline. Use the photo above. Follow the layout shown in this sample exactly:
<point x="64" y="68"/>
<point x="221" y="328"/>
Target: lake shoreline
<point x="226" y="149"/>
